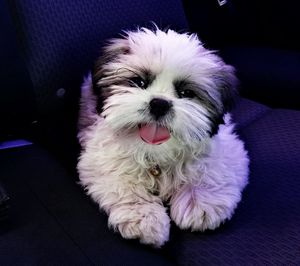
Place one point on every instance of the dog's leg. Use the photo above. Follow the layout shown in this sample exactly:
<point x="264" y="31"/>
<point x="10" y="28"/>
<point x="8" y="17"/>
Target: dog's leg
<point x="212" y="197"/>
<point x="203" y="207"/>
<point x="132" y="211"/>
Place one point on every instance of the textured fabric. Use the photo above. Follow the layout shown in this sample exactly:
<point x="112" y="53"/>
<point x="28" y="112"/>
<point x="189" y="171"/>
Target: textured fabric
<point x="265" y="227"/>
<point x="270" y="76"/>
<point x="246" y="111"/>
<point x="52" y="222"/>
<point x="17" y="102"/>
<point x="61" y="39"/>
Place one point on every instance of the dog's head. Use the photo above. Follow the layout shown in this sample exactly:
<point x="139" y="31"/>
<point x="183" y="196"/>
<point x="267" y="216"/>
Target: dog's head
<point x="159" y="85"/>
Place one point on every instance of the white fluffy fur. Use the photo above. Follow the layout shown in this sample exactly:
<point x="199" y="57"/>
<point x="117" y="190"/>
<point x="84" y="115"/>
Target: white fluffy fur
<point x="202" y="177"/>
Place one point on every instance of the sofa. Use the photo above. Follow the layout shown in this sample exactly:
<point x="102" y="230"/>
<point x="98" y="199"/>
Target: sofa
<point x="46" y="49"/>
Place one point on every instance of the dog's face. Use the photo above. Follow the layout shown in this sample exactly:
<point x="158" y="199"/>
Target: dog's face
<point x="159" y="85"/>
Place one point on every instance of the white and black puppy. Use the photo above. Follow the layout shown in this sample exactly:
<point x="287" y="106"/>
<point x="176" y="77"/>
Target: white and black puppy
<point x="154" y="130"/>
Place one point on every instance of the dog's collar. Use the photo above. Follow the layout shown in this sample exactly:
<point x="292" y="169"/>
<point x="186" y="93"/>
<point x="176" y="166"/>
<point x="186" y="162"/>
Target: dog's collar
<point x="155" y="170"/>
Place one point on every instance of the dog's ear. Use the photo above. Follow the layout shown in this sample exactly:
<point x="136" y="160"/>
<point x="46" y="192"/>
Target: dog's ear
<point x="227" y="83"/>
<point x="109" y="54"/>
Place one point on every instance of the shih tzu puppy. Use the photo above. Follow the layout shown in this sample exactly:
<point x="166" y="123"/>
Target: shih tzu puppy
<point x="157" y="139"/>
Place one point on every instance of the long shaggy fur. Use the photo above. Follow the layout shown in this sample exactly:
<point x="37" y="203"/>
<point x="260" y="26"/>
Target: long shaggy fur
<point x="204" y="166"/>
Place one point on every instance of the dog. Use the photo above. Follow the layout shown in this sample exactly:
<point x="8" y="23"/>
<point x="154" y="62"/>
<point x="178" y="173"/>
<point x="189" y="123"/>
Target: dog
<point x="157" y="138"/>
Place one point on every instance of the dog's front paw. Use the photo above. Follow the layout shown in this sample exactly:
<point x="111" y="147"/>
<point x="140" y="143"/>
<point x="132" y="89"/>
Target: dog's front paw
<point x="148" y="222"/>
<point x="199" y="210"/>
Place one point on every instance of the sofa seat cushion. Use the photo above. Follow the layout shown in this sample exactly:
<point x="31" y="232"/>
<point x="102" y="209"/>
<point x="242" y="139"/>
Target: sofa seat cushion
<point x="52" y="220"/>
<point x="265" y="228"/>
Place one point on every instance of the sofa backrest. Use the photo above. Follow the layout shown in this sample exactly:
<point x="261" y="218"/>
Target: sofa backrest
<point x="17" y="101"/>
<point x="60" y="41"/>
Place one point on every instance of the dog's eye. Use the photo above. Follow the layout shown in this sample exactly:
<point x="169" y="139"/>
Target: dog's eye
<point x="138" y="81"/>
<point x="186" y="94"/>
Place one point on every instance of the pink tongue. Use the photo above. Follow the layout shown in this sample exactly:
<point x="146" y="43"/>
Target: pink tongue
<point x="154" y="134"/>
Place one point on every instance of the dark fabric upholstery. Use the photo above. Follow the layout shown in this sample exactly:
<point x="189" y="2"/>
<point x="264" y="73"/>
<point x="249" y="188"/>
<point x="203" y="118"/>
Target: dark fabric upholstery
<point x="61" y="39"/>
<point x="54" y="222"/>
<point x="259" y="39"/>
<point x="17" y="101"/>
<point x="265" y="227"/>
<point x="246" y="111"/>
<point x="270" y="76"/>
<point x="60" y="42"/>
<point x="266" y="23"/>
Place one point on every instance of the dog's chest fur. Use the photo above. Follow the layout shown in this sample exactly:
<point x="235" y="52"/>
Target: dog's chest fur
<point x="160" y="169"/>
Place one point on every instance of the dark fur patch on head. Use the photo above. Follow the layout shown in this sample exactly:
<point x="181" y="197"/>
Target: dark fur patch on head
<point x="216" y="122"/>
<point x="205" y="100"/>
<point x="109" y="54"/>
<point x="227" y="82"/>
<point x="200" y="94"/>
<point x="142" y="74"/>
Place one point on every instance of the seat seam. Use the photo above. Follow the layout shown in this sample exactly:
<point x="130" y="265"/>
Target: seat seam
<point x="261" y="115"/>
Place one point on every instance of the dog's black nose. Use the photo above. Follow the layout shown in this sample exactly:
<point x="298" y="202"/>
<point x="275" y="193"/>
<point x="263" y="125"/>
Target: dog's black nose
<point x="159" y="107"/>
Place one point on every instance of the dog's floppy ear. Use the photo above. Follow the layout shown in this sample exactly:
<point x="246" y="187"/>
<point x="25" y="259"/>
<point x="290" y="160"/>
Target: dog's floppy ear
<point x="227" y="82"/>
<point x="109" y="53"/>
